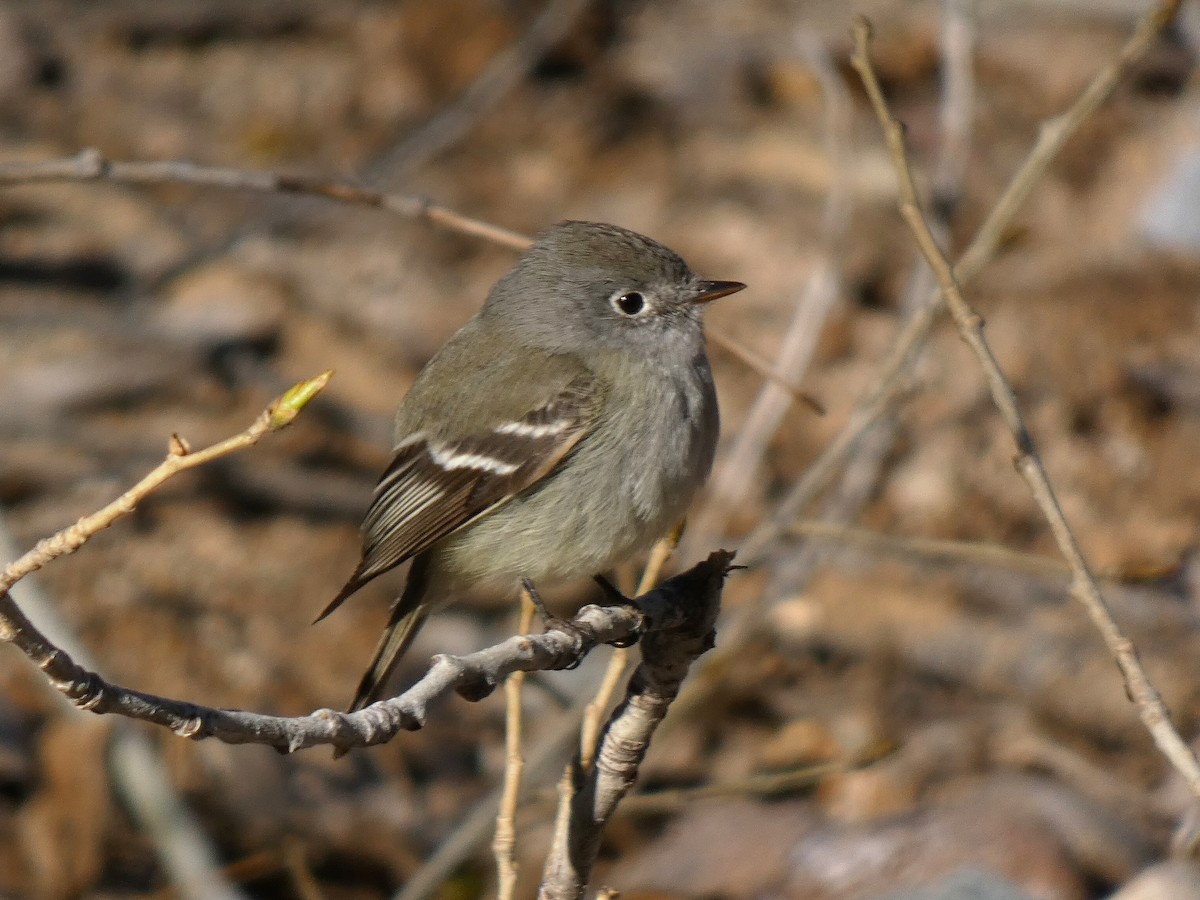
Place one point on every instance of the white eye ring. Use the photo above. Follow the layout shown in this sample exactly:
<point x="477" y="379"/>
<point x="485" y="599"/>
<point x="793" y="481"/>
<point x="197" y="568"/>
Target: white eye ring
<point x="629" y="303"/>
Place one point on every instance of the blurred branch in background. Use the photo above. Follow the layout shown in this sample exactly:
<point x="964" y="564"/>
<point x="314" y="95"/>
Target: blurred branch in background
<point x="890" y="382"/>
<point x="91" y="165"/>
<point x="737" y="471"/>
<point x="1139" y="687"/>
<point x="186" y="855"/>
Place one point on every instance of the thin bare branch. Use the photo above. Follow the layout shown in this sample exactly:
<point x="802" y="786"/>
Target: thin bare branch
<point x="934" y="549"/>
<point x="957" y="109"/>
<point x="505" y="842"/>
<point x="472" y="677"/>
<point x="734" y="476"/>
<point x="501" y="75"/>
<point x="891" y="379"/>
<point x="591" y="796"/>
<point x="669" y="800"/>
<point x="762" y="366"/>
<point x="180" y="457"/>
<point x="593" y="714"/>
<point x="91" y="165"/>
<point x="1028" y="461"/>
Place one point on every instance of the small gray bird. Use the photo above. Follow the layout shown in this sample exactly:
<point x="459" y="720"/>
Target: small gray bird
<point x="562" y="429"/>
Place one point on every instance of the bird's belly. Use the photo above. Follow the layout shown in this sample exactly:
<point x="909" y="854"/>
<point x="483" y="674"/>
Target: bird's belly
<point x="606" y="502"/>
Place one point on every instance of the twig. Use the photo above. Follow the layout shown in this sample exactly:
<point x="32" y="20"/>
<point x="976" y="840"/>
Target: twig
<point x="473" y="677"/>
<point x="762" y="366"/>
<point x="594" y="795"/>
<point x="770" y="785"/>
<point x="861" y="449"/>
<point x="593" y="713"/>
<point x="91" y="165"/>
<point x="865" y="464"/>
<point x="295" y="861"/>
<point x="180" y="457"/>
<point x="1028" y="462"/>
<point x="957" y="108"/>
<point x="889" y="382"/>
<point x="505" y="841"/>
<point x="185" y="852"/>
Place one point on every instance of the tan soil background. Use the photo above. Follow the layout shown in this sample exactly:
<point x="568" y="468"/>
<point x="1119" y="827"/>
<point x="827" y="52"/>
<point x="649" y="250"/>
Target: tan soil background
<point x="981" y="733"/>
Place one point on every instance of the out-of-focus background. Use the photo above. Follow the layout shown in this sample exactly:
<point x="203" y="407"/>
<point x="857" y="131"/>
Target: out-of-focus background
<point x="900" y="722"/>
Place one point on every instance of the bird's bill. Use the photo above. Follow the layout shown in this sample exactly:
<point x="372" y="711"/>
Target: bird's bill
<point x="707" y="291"/>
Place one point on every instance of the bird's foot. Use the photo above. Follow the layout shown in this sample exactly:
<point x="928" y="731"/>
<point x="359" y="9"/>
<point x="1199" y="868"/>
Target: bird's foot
<point x="549" y="620"/>
<point x="613" y="597"/>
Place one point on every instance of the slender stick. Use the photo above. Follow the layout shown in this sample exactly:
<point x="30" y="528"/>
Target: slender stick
<point x="890" y="381"/>
<point x="588" y="798"/>
<point x="1028" y="462"/>
<point x="764" y="367"/>
<point x="91" y="165"/>
<point x="503" y="73"/>
<point x="505" y="842"/>
<point x="180" y="457"/>
<point x="933" y="549"/>
<point x="594" y="713"/>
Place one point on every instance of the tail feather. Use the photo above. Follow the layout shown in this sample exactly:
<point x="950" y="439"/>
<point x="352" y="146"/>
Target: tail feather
<point x="400" y="633"/>
<point x="408" y="615"/>
<point x="356" y="581"/>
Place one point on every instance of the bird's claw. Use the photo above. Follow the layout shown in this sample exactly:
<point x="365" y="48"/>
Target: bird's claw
<point x="613" y="597"/>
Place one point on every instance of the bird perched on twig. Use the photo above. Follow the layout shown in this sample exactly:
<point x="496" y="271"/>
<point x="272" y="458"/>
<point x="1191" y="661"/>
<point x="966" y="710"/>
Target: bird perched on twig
<point x="562" y="429"/>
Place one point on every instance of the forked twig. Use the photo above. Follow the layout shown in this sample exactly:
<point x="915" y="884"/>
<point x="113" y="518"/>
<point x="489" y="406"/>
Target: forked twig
<point x="92" y="165"/>
<point x="180" y="457"/>
<point x="593" y="713"/>
<point x="1028" y="462"/>
<point x="505" y="841"/>
<point x="589" y="797"/>
<point x="888" y="384"/>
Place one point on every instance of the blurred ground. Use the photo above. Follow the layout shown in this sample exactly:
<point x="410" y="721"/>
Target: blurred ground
<point x="986" y="748"/>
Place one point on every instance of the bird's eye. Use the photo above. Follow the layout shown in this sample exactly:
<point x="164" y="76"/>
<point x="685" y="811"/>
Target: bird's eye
<point x="630" y="303"/>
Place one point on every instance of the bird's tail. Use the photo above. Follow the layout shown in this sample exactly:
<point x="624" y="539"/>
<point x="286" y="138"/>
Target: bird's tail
<point x="401" y="632"/>
<point x="408" y="615"/>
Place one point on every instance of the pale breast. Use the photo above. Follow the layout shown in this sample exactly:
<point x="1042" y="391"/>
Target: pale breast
<point x="622" y="488"/>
